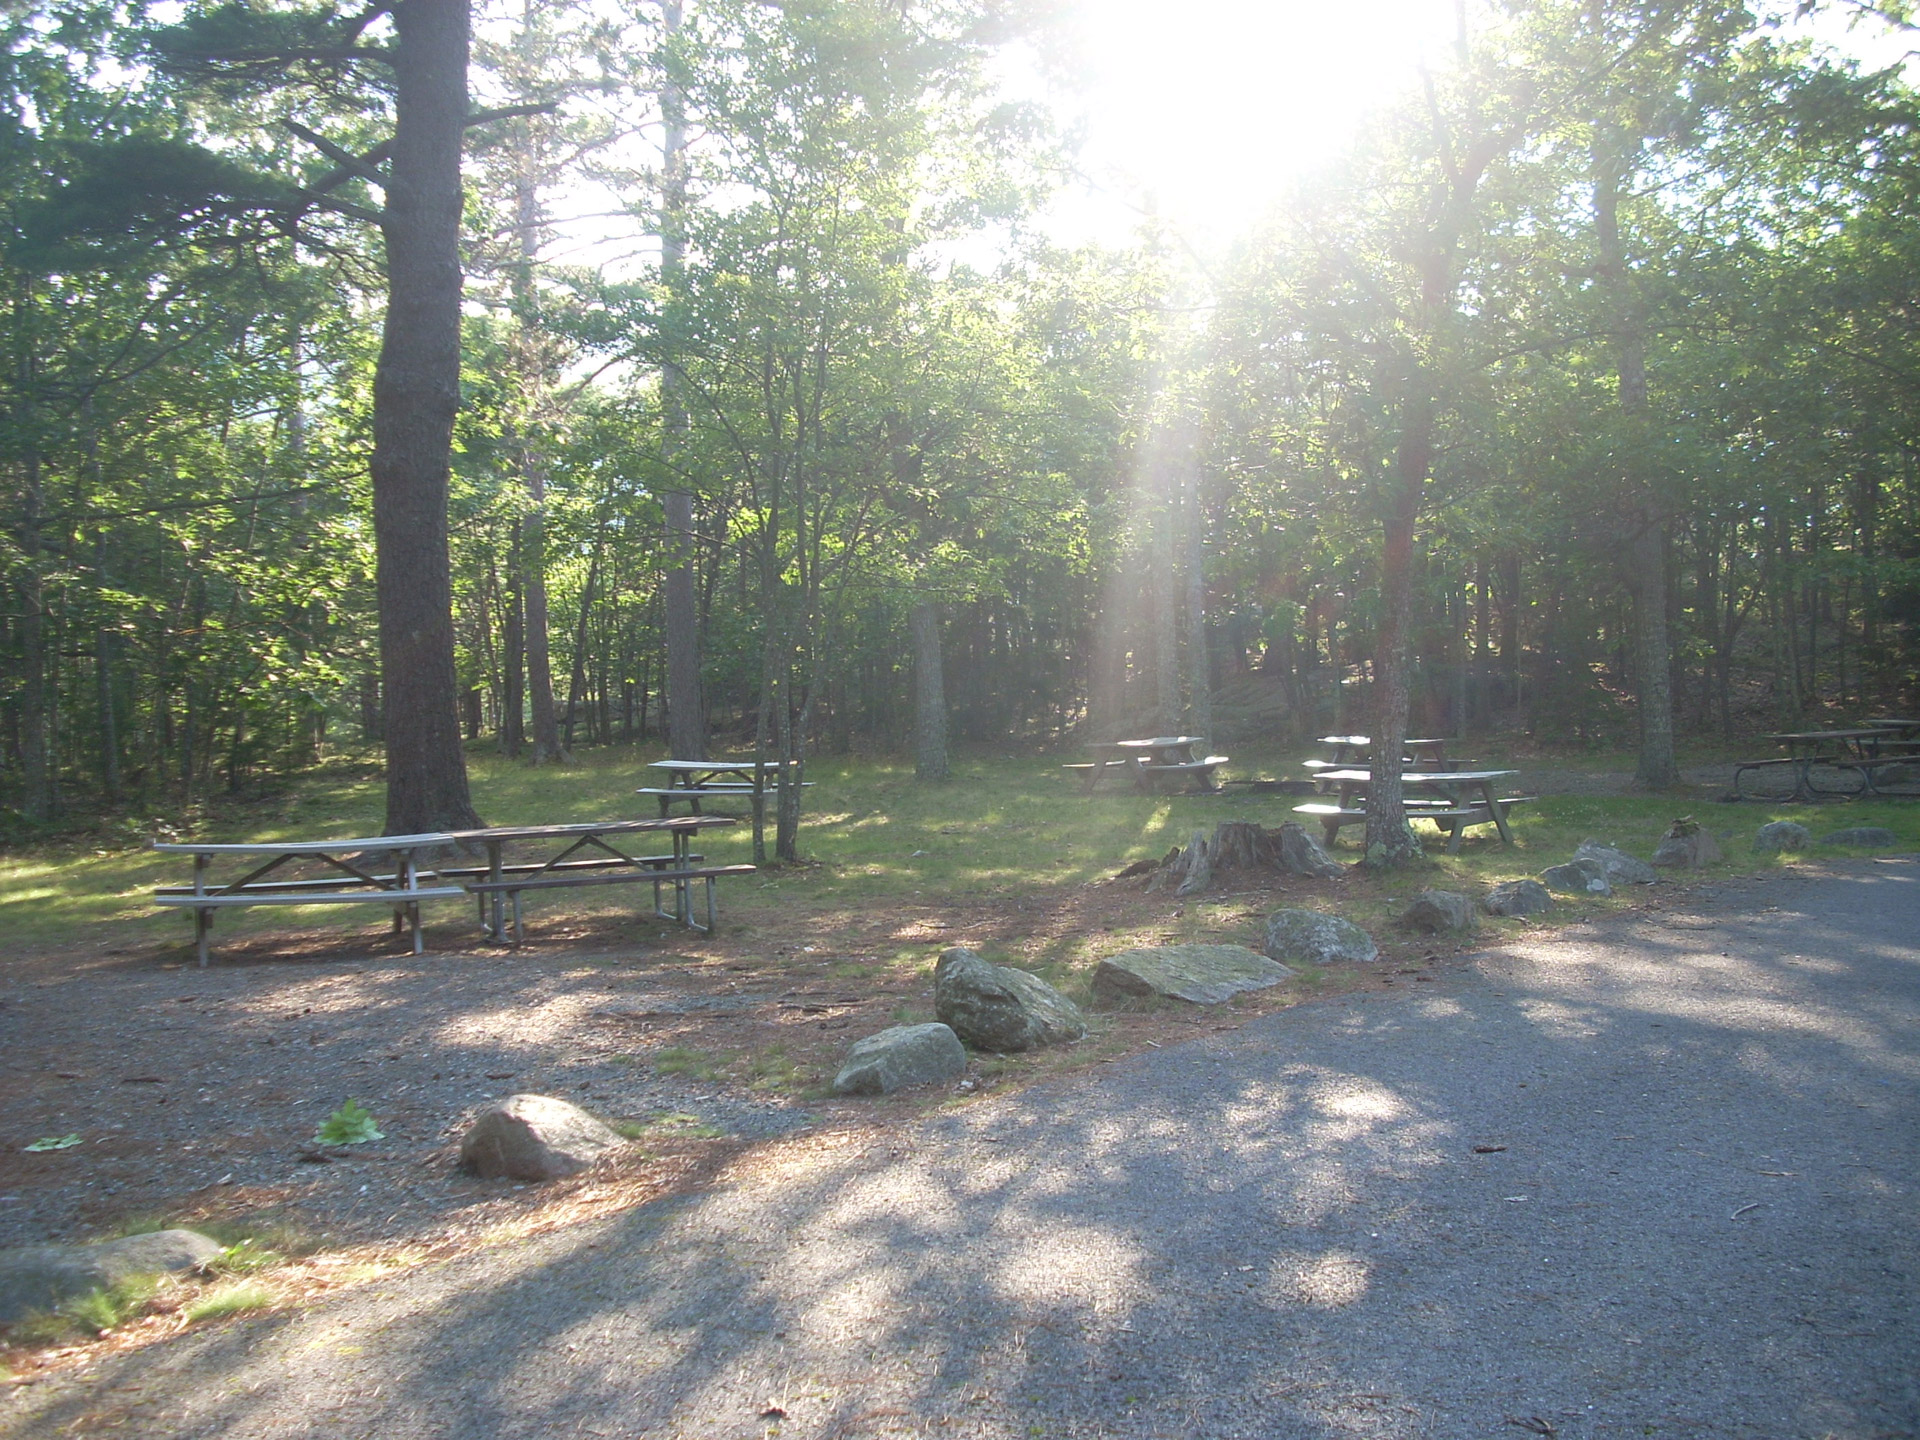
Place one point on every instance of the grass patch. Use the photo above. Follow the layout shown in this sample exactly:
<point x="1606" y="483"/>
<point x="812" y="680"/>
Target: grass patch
<point x="694" y="1064"/>
<point x="235" y="1297"/>
<point x="94" y="1313"/>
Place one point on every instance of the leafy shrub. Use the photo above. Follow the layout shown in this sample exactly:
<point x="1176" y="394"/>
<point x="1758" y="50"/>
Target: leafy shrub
<point x="349" y="1125"/>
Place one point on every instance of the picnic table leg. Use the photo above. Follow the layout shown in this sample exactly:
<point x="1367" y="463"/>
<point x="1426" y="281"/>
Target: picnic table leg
<point x="1497" y="810"/>
<point x="496" y="860"/>
<point x="202" y="918"/>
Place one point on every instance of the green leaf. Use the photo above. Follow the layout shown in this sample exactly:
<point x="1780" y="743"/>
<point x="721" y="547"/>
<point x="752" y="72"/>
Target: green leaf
<point x="349" y="1125"/>
<point x="56" y="1142"/>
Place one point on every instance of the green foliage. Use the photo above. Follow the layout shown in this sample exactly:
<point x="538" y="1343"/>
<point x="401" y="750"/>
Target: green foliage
<point x="54" y="1142"/>
<point x="235" y="1297"/>
<point x="349" y="1125"/>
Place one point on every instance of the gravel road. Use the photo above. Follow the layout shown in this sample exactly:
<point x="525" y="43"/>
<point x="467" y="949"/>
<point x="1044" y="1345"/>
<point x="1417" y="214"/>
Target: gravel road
<point x="1652" y="1177"/>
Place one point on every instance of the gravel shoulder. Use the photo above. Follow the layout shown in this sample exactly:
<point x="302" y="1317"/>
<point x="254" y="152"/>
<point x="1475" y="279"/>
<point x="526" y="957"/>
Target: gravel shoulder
<point x="1652" y="1176"/>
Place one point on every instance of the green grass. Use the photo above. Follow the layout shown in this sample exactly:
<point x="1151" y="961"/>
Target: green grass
<point x="94" y="1313"/>
<point x="235" y="1297"/>
<point x="1003" y="828"/>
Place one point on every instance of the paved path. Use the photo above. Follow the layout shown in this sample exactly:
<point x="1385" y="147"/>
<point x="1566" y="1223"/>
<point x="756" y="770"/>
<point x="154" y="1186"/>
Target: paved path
<point x="1703" y="1223"/>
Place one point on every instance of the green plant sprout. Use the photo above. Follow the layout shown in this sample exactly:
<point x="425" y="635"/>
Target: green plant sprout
<point x="349" y="1125"/>
<point x="55" y="1142"/>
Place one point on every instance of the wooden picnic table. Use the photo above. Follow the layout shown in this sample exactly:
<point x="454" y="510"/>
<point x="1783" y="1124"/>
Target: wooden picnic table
<point x="1464" y="797"/>
<point x="1429" y="754"/>
<point x="497" y="885"/>
<point x="1836" y="749"/>
<point x="355" y="878"/>
<point x="1161" y="757"/>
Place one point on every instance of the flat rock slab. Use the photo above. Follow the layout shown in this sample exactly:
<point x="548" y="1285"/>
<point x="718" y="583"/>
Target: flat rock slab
<point x="1309" y="937"/>
<point x="534" y="1138"/>
<point x="900" y="1059"/>
<point x="1687" y="850"/>
<point x="998" y="1008"/>
<point x="1619" y="867"/>
<point x="1867" y="837"/>
<point x="39" y="1277"/>
<point x="1201" y="974"/>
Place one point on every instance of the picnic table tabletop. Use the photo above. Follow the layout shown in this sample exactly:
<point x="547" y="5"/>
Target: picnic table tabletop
<point x="1363" y="742"/>
<point x="587" y="827"/>
<point x="718" y="767"/>
<point x="1155" y="743"/>
<point x="1359" y="775"/>
<point x="306" y="847"/>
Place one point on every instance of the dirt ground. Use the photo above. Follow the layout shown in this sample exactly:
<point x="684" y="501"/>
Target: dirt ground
<point x="197" y="1093"/>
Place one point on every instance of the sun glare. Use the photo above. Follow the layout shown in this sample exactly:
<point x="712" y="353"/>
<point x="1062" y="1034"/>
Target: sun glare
<point x="1203" y="111"/>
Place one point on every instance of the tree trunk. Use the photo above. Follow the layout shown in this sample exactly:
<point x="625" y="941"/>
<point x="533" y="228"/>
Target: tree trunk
<point x="686" y="707"/>
<point x="1390" y="840"/>
<point x="36" y="726"/>
<point x="513" y="693"/>
<point x="1646" y="549"/>
<point x="1199" y="656"/>
<point x="929" y="694"/>
<point x="416" y="391"/>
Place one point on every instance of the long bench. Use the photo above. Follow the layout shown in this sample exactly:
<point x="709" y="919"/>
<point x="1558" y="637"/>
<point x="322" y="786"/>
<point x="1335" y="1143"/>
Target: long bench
<point x="1802" y="767"/>
<point x="681" y="880"/>
<point x="1201" y="770"/>
<point x="1453" y="819"/>
<point x="1091" y="770"/>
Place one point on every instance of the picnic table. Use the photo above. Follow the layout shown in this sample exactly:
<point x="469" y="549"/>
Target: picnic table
<point x="498" y="885"/>
<point x="1429" y="754"/>
<point x="1151" y="761"/>
<point x="691" y="781"/>
<point x="1458" y="799"/>
<point x="1868" y="750"/>
<point x="376" y="870"/>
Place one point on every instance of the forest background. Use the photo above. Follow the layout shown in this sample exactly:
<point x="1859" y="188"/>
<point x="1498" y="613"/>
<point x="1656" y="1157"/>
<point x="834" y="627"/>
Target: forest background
<point x="1577" y="399"/>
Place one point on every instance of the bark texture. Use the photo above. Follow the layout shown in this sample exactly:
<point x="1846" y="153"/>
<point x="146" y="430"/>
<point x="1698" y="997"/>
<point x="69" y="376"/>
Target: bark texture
<point x="416" y="392"/>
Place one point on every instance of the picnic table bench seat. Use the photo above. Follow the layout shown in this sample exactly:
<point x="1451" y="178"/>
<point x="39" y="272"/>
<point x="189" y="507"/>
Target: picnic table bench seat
<point x="513" y="886"/>
<point x="1454" y="819"/>
<point x="1802" y="766"/>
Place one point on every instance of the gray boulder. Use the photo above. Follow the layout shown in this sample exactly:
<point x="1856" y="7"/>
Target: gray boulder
<point x="39" y="1277"/>
<point x="901" y="1058"/>
<point x="535" y="1137"/>
<point x="1440" y="910"/>
<point x="1619" y="867"/>
<point x="1201" y="974"/>
<point x="993" y="1007"/>
<point x="1687" y="846"/>
<point x="1782" y="835"/>
<point x="1868" y="836"/>
<point x="1518" y="897"/>
<point x="1309" y="937"/>
<point x="1577" y="877"/>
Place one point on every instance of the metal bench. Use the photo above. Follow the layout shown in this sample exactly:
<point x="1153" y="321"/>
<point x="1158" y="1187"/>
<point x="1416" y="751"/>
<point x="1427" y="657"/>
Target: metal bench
<point x="680" y="880"/>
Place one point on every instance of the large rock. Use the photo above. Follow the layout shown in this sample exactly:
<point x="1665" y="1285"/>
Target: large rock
<point x="1577" y="877"/>
<point x="1304" y="855"/>
<point x="1202" y="974"/>
<point x="1687" y="846"/>
<point x="1308" y="937"/>
<point x="901" y="1058"/>
<point x="993" y="1007"/>
<point x="535" y="1137"/>
<point x="1868" y="836"/>
<point x="1518" y="897"/>
<point x="1782" y="835"/>
<point x="1435" y="911"/>
<point x="1619" y="867"/>
<point x="39" y="1277"/>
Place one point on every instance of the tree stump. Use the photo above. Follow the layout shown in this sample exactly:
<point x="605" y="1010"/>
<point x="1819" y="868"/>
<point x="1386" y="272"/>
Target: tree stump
<point x="1240" y="845"/>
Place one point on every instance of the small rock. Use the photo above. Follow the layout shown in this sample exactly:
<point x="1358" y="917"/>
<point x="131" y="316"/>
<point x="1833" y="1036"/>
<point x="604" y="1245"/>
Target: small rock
<point x="1577" y="877"/>
<point x="1311" y="938"/>
<point x="1518" y="897"/>
<point x="900" y="1058"/>
<point x="1200" y="974"/>
<point x="1619" y="867"/>
<point x="1782" y="835"/>
<point x="1867" y="836"/>
<point x="39" y="1277"/>
<point x="535" y="1137"/>
<point x="1437" y="910"/>
<point x="994" y="1007"/>
<point x="1687" y="846"/>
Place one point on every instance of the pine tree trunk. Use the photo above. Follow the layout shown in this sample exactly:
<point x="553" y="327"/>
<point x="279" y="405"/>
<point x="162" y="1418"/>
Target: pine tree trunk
<point x="416" y="391"/>
<point x="1390" y="840"/>
<point x="686" y="707"/>
<point x="929" y="694"/>
<point x="36" y="726"/>
<point x="1199" y="655"/>
<point x="513" y="702"/>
